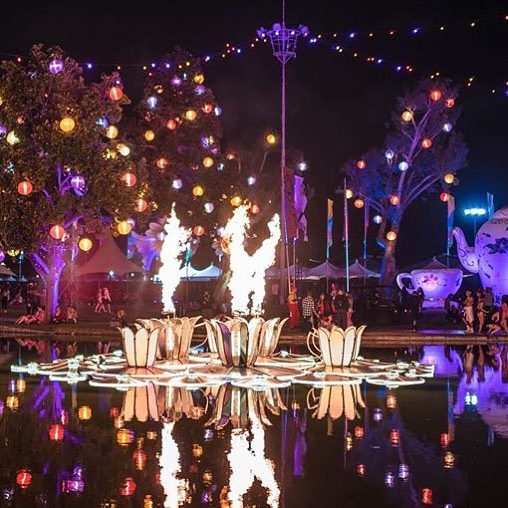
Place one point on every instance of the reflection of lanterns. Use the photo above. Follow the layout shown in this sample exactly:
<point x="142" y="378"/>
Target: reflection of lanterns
<point x="85" y="413"/>
<point x="25" y="188"/>
<point x="57" y="232"/>
<point x="361" y="164"/>
<point x="124" y="437"/>
<point x="149" y="135"/>
<point x="139" y="458"/>
<point x="197" y="451"/>
<point x="198" y="190"/>
<point x="435" y="95"/>
<point x="199" y="230"/>
<point x="128" y="487"/>
<point x="140" y="205"/>
<point x="115" y="93"/>
<point x="12" y="402"/>
<point x="124" y="227"/>
<point x="427" y="143"/>
<point x="24" y="478"/>
<point x="359" y="432"/>
<point x="394" y="200"/>
<point x="208" y="162"/>
<point x="407" y="116"/>
<point x="129" y="179"/>
<point x="391" y="235"/>
<point x="111" y="131"/>
<point x="444" y="196"/>
<point x="56" y="432"/>
<point x="190" y="115"/>
<point x="236" y="201"/>
<point x="359" y="202"/>
<point x="85" y="244"/>
<point x="426" y="496"/>
<point x="67" y="124"/>
<point x="449" y="178"/>
<point x="394" y="437"/>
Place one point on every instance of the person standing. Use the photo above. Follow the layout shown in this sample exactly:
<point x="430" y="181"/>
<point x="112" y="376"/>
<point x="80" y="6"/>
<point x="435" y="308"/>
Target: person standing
<point x="106" y="299"/>
<point x="341" y="305"/>
<point x="309" y="311"/>
<point x="415" y="302"/>
<point x="99" y="304"/>
<point x="294" y="311"/>
<point x="468" y="311"/>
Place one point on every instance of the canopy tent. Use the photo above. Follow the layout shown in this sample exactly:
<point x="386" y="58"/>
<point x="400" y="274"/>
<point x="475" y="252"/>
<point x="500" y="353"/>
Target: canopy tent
<point x="324" y="270"/>
<point x="208" y="273"/>
<point x="108" y="259"/>
<point x="6" y="271"/>
<point x="295" y="271"/>
<point x="358" y="271"/>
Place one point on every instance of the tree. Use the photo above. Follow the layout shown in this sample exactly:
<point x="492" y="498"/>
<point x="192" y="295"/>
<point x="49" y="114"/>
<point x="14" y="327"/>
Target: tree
<point x="63" y="173"/>
<point x="422" y="150"/>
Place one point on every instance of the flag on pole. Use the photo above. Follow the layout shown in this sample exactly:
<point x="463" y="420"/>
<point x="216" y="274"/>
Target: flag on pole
<point x="300" y="205"/>
<point x="490" y="205"/>
<point x="451" y="210"/>
<point x="329" y="227"/>
<point x="289" y="201"/>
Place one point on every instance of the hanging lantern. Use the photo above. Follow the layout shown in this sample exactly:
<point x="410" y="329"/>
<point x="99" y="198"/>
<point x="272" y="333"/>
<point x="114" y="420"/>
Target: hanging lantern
<point x="151" y="102"/>
<point x="360" y="164"/>
<point x="12" y="138"/>
<point x="445" y="439"/>
<point x="85" y="413"/>
<point x="56" y="66"/>
<point x="128" y="487"/>
<point x="129" y="179"/>
<point x="21" y="385"/>
<point x="177" y="184"/>
<point x="25" y="188"/>
<point x="24" y="478"/>
<point x="111" y="131"/>
<point x="236" y="201"/>
<point x="391" y="235"/>
<point x="208" y="207"/>
<point x="124" y="437"/>
<point x="13" y="252"/>
<point x="123" y="149"/>
<point x="197" y="450"/>
<point x="271" y="139"/>
<point x="427" y="496"/>
<point x="449" y="103"/>
<point x="435" y="95"/>
<point x="427" y="143"/>
<point x="190" y="115"/>
<point x="449" y="178"/>
<point x="389" y="154"/>
<point x="208" y="162"/>
<point x="140" y="205"/>
<point x="78" y="182"/>
<point x="444" y="196"/>
<point x="391" y="401"/>
<point x="2" y="255"/>
<point x="172" y="124"/>
<point x="359" y="432"/>
<point x="115" y="93"/>
<point x="199" y="79"/>
<point x="447" y="127"/>
<point x="56" y="432"/>
<point x="394" y="437"/>
<point x="377" y="219"/>
<point x="124" y="227"/>
<point x="197" y="190"/>
<point x="149" y="135"/>
<point x="85" y="244"/>
<point x="57" y="232"/>
<point x="162" y="163"/>
<point x="394" y="200"/>
<point x="360" y="469"/>
<point x="407" y="115"/>
<point x="207" y="108"/>
<point x="359" y="202"/>
<point x="403" y="165"/>
<point x="198" y="230"/>
<point x="67" y="124"/>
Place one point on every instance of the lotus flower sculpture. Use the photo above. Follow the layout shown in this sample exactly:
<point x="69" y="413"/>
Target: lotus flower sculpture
<point x="338" y="347"/>
<point x="139" y="345"/>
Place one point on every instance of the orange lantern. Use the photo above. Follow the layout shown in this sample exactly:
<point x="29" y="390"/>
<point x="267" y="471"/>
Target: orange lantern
<point x="360" y="469"/>
<point x="115" y="93"/>
<point x="124" y="227"/>
<point x="124" y="437"/>
<point x="67" y="124"/>
<point x="114" y="412"/>
<point x="57" y="232"/>
<point x="85" y="413"/>
<point x="197" y="190"/>
<point x="25" y="188"/>
<point x="21" y="385"/>
<point x="407" y="116"/>
<point x="139" y="458"/>
<point x="359" y="432"/>
<point x="444" y="196"/>
<point x="394" y="200"/>
<point x="12" y="402"/>
<point x="449" y="178"/>
<point x="208" y="162"/>
<point x="172" y="124"/>
<point x="359" y="202"/>
<point x="361" y="164"/>
<point x="236" y="201"/>
<point x="56" y="432"/>
<point x="190" y="115"/>
<point x="199" y="79"/>
<point x="162" y="163"/>
<point x="140" y="205"/>
<point x="449" y="103"/>
<point x="111" y="131"/>
<point x="391" y="235"/>
<point x="198" y="230"/>
<point x="271" y="139"/>
<point x="85" y="244"/>
<point x="24" y="478"/>
<point x="129" y="179"/>
<point x="427" y="496"/>
<point x="427" y="143"/>
<point x="149" y="135"/>
<point x="435" y="95"/>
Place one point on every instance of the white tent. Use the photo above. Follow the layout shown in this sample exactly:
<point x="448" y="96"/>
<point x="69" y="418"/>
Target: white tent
<point x="324" y="270"/>
<point x="298" y="272"/>
<point x="188" y="272"/>
<point x="358" y="271"/>
<point x="6" y="271"/>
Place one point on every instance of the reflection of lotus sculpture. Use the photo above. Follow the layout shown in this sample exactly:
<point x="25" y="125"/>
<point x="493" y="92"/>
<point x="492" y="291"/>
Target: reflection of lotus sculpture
<point x="338" y="347"/>
<point x="175" y="402"/>
<point x="140" y="404"/>
<point x="140" y="346"/>
<point x="336" y="401"/>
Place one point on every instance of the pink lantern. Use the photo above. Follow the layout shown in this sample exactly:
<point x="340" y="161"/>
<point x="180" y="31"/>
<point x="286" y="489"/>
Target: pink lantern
<point x="129" y="179"/>
<point x="115" y="93"/>
<point x="435" y="95"/>
<point x="427" y="143"/>
<point x="25" y="188"/>
<point x="57" y="232"/>
<point x="56" y="66"/>
<point x="140" y="205"/>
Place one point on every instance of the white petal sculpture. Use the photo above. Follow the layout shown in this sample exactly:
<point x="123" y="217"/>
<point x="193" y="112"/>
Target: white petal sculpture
<point x="140" y="404"/>
<point x="340" y="347"/>
<point x="139" y="346"/>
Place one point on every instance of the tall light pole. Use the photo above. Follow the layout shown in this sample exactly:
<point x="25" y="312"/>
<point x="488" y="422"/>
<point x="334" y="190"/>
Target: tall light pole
<point x="283" y="41"/>
<point x="475" y="212"/>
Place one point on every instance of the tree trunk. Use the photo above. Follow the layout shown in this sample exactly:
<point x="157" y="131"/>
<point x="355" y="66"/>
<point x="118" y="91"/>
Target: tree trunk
<point x="388" y="268"/>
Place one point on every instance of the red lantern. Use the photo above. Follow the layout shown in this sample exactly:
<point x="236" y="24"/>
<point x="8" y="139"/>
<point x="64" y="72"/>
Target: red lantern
<point x="139" y="458"/>
<point x="207" y="108"/>
<point x="24" y="478"/>
<point x="114" y="412"/>
<point x="427" y="143"/>
<point x="57" y="232"/>
<point x="129" y="179"/>
<point x="172" y="124"/>
<point x="435" y="95"/>
<point x="426" y="496"/>
<point x="359" y="432"/>
<point x="140" y="205"/>
<point x="450" y="103"/>
<point x="394" y="437"/>
<point x="25" y="188"/>
<point x="359" y="202"/>
<point x="361" y="164"/>
<point x="115" y="93"/>
<point x="444" y="196"/>
<point x="445" y="439"/>
<point x="199" y="230"/>
<point x="128" y="487"/>
<point x="394" y="200"/>
<point x="56" y="432"/>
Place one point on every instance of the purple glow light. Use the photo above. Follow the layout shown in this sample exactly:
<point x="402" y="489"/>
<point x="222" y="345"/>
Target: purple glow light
<point x="176" y="81"/>
<point x="200" y="89"/>
<point x="152" y="102"/>
<point x="55" y="66"/>
<point x="3" y="130"/>
<point x="78" y="182"/>
<point x="2" y="255"/>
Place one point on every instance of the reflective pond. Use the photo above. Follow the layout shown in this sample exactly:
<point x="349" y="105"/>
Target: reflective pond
<point x="443" y="443"/>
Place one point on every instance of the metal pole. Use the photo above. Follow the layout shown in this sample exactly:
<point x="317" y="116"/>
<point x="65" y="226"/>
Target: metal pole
<point x="284" y="281"/>
<point x="346" y="236"/>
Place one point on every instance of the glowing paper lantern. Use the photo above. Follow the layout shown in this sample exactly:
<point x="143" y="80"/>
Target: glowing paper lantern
<point x="13" y="252"/>
<point x="139" y="458"/>
<point x="359" y="432"/>
<point x="208" y="207"/>
<point x="449" y="103"/>
<point x="12" y="402"/>
<point x="254" y="209"/>
<point x="124" y="227"/>
<point x="198" y="230"/>
<point x="447" y="127"/>
<point x="208" y="162"/>
<point x="85" y="413"/>
<point x="199" y="78"/>
<point x="251" y="180"/>
<point x="403" y="165"/>
<point x="207" y="108"/>
<point x="217" y="111"/>
<point x="435" y="95"/>
<point x="149" y="135"/>
<point x="12" y="138"/>
<point x="236" y="201"/>
<point x="128" y="487"/>
<point x="57" y="232"/>
<point x="78" y="182"/>
<point x="177" y="184"/>
<point x="123" y="149"/>
<point x="124" y="437"/>
<point x="3" y="130"/>
<point x="197" y="190"/>
<point x="360" y="164"/>
<point x="115" y="93"/>
<point x="427" y="143"/>
<point x="140" y="205"/>
<point x="391" y="235"/>
<point x="129" y="179"/>
<point x="271" y="139"/>
<point x="56" y="66"/>
<point x="349" y="193"/>
<point x="2" y="255"/>
<point x="152" y="102"/>
<point x="111" y="132"/>
<point x="85" y="244"/>
<point x="449" y="178"/>
<point x="394" y="199"/>
<point x="21" y="385"/>
<point x="25" y="188"/>
<point x="24" y="478"/>
<point x="172" y="124"/>
<point x="407" y="115"/>
<point x="190" y="115"/>
<point x="444" y="196"/>
<point x="162" y="163"/>
<point x="389" y="154"/>
<point x="67" y="124"/>
<point x="359" y="202"/>
<point x="56" y="432"/>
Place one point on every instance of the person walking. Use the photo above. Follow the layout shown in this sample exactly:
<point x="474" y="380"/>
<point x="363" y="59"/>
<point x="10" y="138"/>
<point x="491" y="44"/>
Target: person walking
<point x="99" y="304"/>
<point x="309" y="310"/>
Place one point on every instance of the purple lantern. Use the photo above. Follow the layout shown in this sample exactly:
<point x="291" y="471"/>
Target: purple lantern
<point x="200" y="89"/>
<point x="78" y="183"/>
<point x="152" y="102"/>
<point x="55" y="66"/>
<point x="3" y="130"/>
<point x="176" y="81"/>
<point x="2" y="255"/>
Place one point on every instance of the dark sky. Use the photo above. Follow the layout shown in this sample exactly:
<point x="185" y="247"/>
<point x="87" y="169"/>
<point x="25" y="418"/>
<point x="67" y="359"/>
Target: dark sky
<point x="337" y="104"/>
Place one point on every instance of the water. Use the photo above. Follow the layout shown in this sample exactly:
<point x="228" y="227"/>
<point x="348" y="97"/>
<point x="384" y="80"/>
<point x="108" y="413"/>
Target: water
<point x="443" y="443"/>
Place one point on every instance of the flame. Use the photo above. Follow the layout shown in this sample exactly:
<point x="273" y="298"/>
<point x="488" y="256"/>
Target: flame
<point x="173" y="246"/>
<point x="247" y="284"/>
<point x="169" y="462"/>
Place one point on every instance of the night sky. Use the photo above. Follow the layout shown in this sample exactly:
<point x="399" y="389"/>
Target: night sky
<point x="337" y="104"/>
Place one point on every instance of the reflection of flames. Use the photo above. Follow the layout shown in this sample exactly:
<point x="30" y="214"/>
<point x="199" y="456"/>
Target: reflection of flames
<point x="248" y="271"/>
<point x="170" y="467"/>
<point x="247" y="461"/>
<point x="169" y="273"/>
